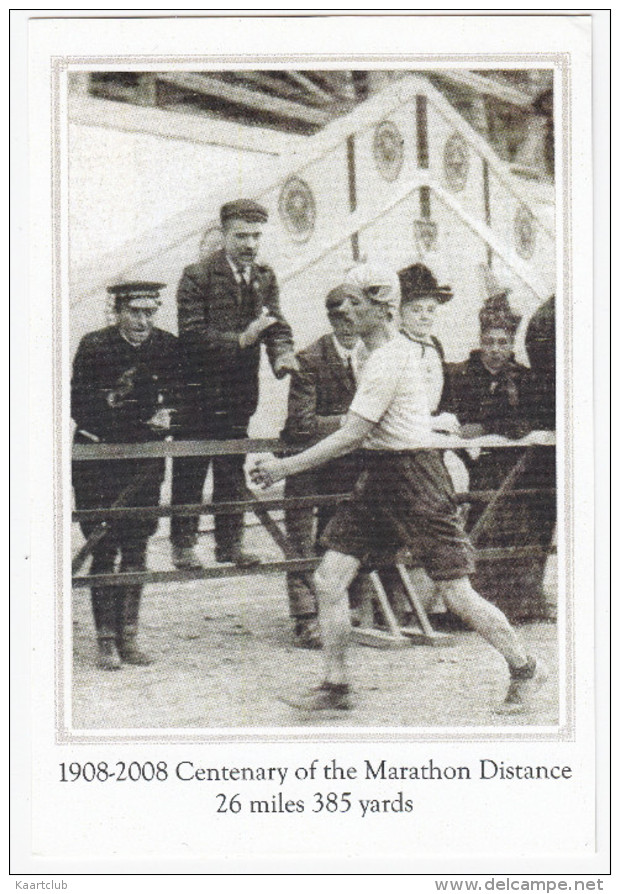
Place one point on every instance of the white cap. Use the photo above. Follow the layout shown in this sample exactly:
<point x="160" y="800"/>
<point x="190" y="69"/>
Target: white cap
<point x="375" y="276"/>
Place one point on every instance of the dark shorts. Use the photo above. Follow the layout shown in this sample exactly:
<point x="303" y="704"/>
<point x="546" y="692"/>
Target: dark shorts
<point x="404" y="500"/>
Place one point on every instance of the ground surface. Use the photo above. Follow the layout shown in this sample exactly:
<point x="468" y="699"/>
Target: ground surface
<point x="224" y="659"/>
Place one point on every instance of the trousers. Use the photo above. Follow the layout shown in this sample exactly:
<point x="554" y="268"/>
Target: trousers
<point x="188" y="479"/>
<point x="97" y="485"/>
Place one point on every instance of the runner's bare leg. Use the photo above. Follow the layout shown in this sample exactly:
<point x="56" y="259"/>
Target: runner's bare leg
<point x="485" y="618"/>
<point x="332" y="579"/>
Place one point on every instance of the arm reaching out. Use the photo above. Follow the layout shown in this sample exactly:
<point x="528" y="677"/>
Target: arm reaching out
<point x="348" y="438"/>
<point x="353" y="433"/>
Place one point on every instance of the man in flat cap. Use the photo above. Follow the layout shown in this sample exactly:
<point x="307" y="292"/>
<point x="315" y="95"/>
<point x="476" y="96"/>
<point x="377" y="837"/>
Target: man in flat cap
<point x="404" y="498"/>
<point x="319" y="398"/>
<point x="228" y="305"/>
<point x="124" y="384"/>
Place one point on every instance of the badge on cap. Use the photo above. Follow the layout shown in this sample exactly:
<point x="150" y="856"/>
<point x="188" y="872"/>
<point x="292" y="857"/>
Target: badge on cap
<point x="131" y="292"/>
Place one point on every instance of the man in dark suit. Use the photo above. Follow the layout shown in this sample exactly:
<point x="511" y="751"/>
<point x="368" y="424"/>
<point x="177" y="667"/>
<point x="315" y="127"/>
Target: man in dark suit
<point x="491" y="393"/>
<point x="540" y="347"/>
<point x="227" y="305"/>
<point x="319" y="398"/>
<point x="124" y="384"/>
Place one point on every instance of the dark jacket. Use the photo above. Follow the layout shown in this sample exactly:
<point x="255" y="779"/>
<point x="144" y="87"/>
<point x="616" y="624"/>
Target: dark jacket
<point x="116" y="387"/>
<point x="213" y="309"/>
<point x="319" y="395"/>
<point x="540" y="347"/>
<point x="499" y="404"/>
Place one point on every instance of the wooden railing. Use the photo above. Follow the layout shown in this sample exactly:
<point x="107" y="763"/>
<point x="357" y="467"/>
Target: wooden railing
<point x="261" y="507"/>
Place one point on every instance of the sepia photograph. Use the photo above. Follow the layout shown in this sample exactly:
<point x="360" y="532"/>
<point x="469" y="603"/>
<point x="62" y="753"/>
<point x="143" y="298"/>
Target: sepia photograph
<point x="312" y="574"/>
<point x="312" y="355"/>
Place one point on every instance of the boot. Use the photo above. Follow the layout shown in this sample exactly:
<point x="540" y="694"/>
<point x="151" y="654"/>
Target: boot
<point x="129" y="651"/>
<point x="104" y="600"/>
<point x="107" y="655"/>
<point x="185" y="557"/>
<point x="128" y="628"/>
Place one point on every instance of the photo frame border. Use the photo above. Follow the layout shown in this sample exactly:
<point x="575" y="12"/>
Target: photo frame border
<point x="566" y="729"/>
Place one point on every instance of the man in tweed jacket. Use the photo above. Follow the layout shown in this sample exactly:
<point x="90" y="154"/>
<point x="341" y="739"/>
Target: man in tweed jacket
<point x="227" y="305"/>
<point x="319" y="398"/>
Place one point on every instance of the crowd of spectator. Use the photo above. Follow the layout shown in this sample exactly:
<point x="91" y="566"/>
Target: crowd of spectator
<point x="133" y="382"/>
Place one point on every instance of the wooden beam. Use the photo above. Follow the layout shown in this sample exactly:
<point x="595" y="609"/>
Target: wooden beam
<point x="146" y="91"/>
<point x="268" y="81"/>
<point x="346" y="86"/>
<point x="152" y="449"/>
<point x="379" y="639"/>
<point x="209" y="85"/>
<point x="308" y="84"/>
<point x="487" y="86"/>
<point x="339" y="84"/>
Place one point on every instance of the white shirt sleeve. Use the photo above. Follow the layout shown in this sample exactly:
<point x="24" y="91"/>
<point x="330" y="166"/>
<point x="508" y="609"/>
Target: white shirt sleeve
<point x="377" y="384"/>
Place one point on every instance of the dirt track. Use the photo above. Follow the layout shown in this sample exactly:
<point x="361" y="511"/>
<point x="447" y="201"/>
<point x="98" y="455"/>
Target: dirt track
<point x="223" y="658"/>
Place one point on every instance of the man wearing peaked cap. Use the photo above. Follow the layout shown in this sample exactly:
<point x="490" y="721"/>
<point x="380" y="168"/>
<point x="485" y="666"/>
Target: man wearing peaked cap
<point x="135" y="291"/>
<point x="228" y="305"/>
<point x="124" y="384"/>
<point x="319" y="397"/>
<point x="404" y="498"/>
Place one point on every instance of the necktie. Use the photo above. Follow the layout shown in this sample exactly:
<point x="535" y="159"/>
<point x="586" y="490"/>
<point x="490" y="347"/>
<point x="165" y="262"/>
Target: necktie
<point x="244" y="285"/>
<point x="350" y="371"/>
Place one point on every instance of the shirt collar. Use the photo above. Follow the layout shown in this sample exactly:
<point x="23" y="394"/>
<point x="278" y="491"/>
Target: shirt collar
<point x="131" y="343"/>
<point x="426" y="341"/>
<point x="345" y="354"/>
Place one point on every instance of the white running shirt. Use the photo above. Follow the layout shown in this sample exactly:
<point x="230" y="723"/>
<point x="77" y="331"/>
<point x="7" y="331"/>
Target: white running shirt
<point x="391" y="392"/>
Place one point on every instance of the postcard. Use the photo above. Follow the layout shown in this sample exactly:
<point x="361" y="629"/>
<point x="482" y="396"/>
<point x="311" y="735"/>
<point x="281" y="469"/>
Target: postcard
<point x="311" y="580"/>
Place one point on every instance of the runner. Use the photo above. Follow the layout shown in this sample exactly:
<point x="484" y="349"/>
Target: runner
<point x="404" y="498"/>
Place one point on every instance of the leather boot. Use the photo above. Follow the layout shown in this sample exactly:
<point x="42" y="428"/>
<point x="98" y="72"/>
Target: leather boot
<point x="107" y="654"/>
<point x="128" y="629"/>
<point x="104" y="613"/>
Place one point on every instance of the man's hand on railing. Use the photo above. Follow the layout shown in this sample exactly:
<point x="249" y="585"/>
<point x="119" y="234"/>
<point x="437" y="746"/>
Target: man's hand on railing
<point x="539" y="438"/>
<point x="161" y="420"/>
<point x="446" y="422"/>
<point x="267" y="471"/>
<point x="488" y="441"/>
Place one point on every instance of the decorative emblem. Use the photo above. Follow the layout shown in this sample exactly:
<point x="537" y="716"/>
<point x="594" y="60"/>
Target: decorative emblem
<point x="426" y="233"/>
<point x="297" y="208"/>
<point x="456" y="162"/>
<point x="387" y="148"/>
<point x="525" y="232"/>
